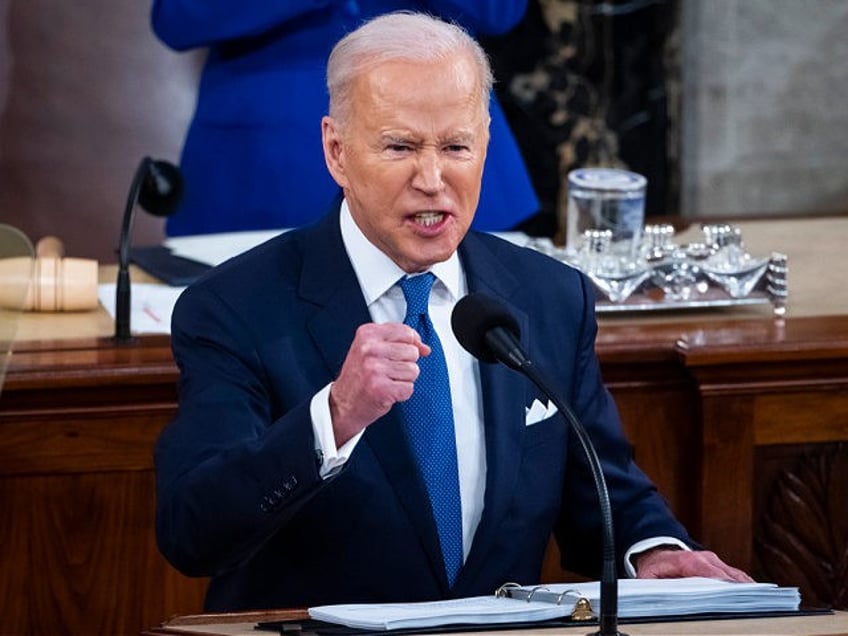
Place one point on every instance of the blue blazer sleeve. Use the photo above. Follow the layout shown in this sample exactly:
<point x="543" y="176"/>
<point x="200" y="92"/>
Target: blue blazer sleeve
<point x="230" y="469"/>
<point x="187" y="24"/>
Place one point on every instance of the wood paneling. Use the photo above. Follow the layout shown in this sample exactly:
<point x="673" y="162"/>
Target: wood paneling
<point x="779" y="390"/>
<point x="801" y="529"/>
<point x="77" y="427"/>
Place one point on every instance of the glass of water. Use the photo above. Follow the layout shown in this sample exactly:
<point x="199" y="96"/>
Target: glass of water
<point x="606" y="199"/>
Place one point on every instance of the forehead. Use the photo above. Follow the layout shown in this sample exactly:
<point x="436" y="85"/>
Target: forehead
<point x="413" y="92"/>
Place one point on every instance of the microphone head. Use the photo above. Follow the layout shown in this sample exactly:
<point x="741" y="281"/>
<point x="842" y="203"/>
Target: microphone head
<point x="161" y="188"/>
<point x="474" y="316"/>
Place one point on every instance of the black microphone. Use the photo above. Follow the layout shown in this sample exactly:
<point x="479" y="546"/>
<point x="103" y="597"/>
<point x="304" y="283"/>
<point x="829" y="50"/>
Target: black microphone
<point x="489" y="332"/>
<point x="157" y="186"/>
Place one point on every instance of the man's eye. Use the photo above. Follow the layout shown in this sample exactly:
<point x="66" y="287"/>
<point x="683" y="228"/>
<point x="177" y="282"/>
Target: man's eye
<point x="399" y="147"/>
<point x="455" y="148"/>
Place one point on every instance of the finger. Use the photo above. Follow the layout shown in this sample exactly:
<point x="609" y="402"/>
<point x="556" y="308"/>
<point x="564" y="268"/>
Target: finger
<point x="722" y="569"/>
<point x="400" y="371"/>
<point x="413" y="337"/>
<point x="709" y="564"/>
<point x="402" y="352"/>
<point x="730" y="573"/>
<point x="392" y="332"/>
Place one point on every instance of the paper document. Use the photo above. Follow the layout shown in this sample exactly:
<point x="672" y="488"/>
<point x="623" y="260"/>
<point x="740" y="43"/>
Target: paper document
<point x="475" y="609"/>
<point x="663" y="597"/>
<point x="151" y="305"/>
<point x="214" y="249"/>
<point x="636" y="598"/>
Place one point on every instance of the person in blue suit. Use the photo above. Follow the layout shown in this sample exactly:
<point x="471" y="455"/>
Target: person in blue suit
<point x="252" y="158"/>
<point x="287" y="473"/>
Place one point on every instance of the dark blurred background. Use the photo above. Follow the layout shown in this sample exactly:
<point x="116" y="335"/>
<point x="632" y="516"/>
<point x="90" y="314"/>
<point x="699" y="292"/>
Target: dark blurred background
<point x="593" y="84"/>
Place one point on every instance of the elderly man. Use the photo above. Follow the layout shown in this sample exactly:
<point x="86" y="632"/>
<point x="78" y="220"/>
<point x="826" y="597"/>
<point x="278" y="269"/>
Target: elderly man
<point x="333" y="441"/>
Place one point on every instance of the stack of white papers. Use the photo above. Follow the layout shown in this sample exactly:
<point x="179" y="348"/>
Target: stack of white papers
<point x="664" y="597"/>
<point x="214" y="249"/>
<point x="636" y="598"/>
<point x="151" y="305"/>
<point x="476" y="609"/>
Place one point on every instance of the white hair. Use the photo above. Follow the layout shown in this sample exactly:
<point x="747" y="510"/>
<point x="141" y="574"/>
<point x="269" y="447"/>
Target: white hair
<point x="399" y="36"/>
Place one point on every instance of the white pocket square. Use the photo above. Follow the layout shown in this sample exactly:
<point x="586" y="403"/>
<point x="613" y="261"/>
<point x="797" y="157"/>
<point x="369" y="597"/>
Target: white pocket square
<point x="537" y="412"/>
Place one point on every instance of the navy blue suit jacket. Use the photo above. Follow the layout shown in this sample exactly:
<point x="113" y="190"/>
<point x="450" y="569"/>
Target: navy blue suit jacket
<point x="239" y="495"/>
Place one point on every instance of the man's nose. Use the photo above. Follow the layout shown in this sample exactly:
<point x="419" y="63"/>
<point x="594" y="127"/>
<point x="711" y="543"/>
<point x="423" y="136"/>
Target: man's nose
<point x="428" y="172"/>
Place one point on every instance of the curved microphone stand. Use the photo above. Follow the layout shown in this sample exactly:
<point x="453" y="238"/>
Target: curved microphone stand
<point x="157" y="187"/>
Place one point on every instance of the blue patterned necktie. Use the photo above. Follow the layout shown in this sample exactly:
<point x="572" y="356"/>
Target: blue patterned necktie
<point x="429" y="421"/>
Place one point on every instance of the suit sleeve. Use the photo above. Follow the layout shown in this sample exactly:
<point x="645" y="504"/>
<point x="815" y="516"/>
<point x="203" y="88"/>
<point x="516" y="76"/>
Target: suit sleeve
<point x="230" y="471"/>
<point x="187" y="24"/>
<point x="639" y="511"/>
<point x="483" y="17"/>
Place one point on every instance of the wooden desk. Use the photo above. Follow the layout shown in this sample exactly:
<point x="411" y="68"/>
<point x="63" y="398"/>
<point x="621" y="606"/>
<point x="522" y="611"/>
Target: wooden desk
<point x="741" y="420"/>
<point x="835" y="624"/>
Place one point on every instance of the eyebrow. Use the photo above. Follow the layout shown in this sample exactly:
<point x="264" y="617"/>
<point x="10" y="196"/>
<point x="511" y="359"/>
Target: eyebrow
<point x="465" y="137"/>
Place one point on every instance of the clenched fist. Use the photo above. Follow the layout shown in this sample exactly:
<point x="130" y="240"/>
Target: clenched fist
<point x="380" y="369"/>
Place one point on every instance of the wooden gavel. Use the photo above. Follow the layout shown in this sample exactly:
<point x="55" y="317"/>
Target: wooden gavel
<point x="56" y="283"/>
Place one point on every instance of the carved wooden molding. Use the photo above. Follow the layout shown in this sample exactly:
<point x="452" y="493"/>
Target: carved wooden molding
<point x="803" y="533"/>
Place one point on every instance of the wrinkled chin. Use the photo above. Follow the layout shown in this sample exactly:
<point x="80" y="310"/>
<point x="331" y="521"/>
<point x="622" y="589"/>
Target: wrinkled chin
<point x="423" y="254"/>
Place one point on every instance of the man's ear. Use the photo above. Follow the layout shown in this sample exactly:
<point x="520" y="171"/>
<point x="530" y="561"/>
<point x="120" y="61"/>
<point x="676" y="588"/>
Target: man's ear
<point x="331" y="140"/>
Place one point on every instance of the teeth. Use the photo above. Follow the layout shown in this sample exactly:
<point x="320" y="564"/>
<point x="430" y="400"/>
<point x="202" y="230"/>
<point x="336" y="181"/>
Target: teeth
<point x="428" y="218"/>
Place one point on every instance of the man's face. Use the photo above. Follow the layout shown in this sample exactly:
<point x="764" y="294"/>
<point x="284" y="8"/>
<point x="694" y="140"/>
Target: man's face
<point x="410" y="157"/>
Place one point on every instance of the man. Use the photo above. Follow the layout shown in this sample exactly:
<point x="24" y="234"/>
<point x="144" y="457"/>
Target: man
<point x="290" y="473"/>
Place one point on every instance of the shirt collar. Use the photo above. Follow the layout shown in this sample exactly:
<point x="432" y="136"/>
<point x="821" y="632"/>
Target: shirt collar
<point x="377" y="273"/>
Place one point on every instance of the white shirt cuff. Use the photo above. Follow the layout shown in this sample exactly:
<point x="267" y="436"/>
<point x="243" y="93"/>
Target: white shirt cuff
<point x="325" y="438"/>
<point x="646" y="544"/>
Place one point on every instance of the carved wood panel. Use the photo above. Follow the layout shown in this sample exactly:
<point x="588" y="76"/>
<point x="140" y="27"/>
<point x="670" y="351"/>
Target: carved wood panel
<point x="801" y="536"/>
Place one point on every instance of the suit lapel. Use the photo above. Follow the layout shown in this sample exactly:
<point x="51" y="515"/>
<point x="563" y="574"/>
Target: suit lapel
<point x="329" y="283"/>
<point x="504" y="395"/>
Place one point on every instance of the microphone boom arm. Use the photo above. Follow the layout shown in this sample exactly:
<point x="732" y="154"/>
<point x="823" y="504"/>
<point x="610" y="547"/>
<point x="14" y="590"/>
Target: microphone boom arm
<point x="157" y="187"/>
<point x="608" y="614"/>
<point x="123" y="288"/>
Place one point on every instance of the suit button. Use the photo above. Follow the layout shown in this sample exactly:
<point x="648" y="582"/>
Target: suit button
<point x="269" y="502"/>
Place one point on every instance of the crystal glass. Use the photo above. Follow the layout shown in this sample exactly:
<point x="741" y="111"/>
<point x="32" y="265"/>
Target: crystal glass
<point x="606" y="199"/>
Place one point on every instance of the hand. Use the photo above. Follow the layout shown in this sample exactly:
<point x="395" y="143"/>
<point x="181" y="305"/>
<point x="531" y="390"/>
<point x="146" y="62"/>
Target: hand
<point x="379" y="370"/>
<point x="665" y="563"/>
